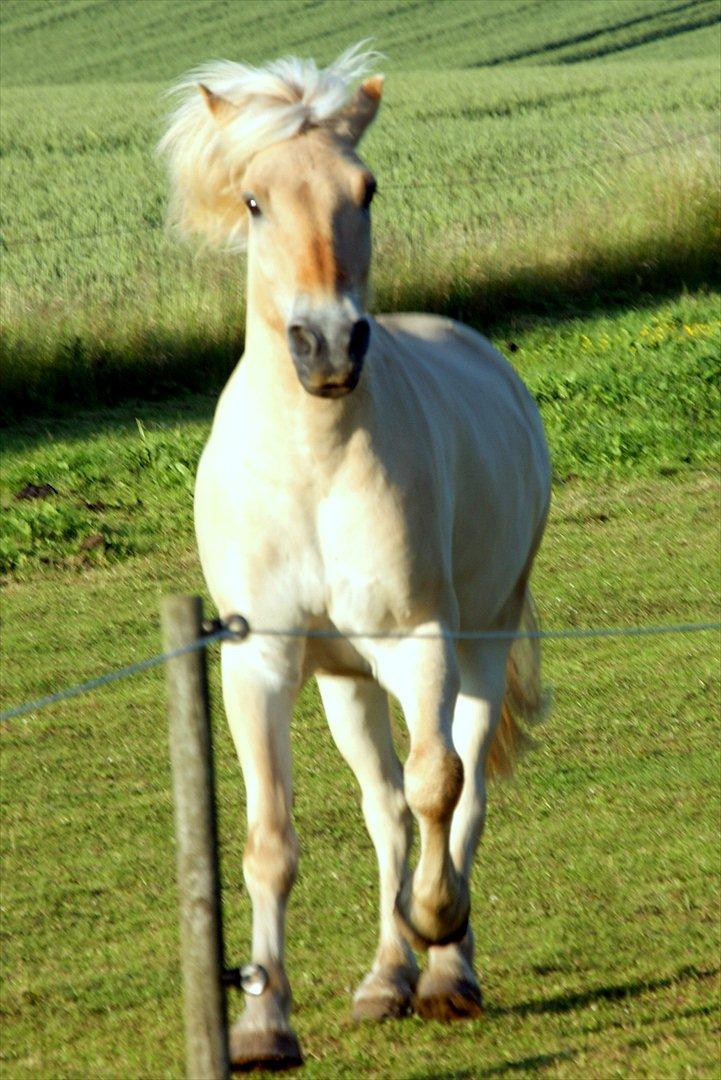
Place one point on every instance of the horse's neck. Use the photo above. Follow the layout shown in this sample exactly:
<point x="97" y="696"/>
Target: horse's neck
<point x="267" y="366"/>
<point x="269" y="371"/>
<point x="273" y="396"/>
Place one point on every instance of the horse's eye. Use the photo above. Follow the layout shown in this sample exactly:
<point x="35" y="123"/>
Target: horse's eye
<point x="368" y="194"/>
<point x="252" y="205"/>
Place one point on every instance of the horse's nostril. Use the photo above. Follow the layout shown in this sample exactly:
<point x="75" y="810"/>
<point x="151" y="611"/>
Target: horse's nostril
<point x="359" y="338"/>
<point x="303" y="341"/>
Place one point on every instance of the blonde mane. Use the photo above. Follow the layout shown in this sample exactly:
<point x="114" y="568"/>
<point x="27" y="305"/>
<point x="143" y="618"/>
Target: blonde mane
<point x="207" y="158"/>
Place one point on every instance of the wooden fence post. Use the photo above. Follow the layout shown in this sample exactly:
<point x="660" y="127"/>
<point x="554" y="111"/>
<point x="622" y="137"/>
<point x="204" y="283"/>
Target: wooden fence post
<point x="201" y="932"/>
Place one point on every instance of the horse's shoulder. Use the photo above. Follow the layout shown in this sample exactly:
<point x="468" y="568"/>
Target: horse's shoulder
<point x="440" y="337"/>
<point x="418" y="324"/>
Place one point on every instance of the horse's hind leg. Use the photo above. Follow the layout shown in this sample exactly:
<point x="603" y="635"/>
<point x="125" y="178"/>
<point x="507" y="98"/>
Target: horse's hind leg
<point x="448" y="988"/>
<point x="357" y="713"/>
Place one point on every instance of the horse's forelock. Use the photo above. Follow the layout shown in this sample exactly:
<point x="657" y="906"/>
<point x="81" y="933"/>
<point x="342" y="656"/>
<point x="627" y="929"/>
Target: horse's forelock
<point x="273" y="103"/>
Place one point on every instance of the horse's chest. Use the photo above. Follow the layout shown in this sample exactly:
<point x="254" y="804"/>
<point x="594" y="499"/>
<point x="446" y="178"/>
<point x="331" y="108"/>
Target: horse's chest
<point x="351" y="545"/>
<point x="373" y="567"/>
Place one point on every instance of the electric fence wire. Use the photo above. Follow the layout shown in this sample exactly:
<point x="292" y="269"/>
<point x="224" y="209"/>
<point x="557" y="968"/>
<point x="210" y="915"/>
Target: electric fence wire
<point x="229" y="631"/>
<point x="8" y="243"/>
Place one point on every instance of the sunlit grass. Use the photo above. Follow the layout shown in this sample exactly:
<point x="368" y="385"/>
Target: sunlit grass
<point x="595" y="893"/>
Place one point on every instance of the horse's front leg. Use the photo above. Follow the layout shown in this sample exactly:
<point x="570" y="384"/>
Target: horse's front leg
<point x="432" y="906"/>
<point x="357" y="713"/>
<point x="448" y="988"/>
<point x="259" y="693"/>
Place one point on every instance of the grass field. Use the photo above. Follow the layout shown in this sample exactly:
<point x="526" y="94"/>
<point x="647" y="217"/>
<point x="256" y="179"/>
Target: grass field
<point x="630" y="392"/>
<point x="91" y="41"/>
<point x="517" y="190"/>
<point x="596" y="891"/>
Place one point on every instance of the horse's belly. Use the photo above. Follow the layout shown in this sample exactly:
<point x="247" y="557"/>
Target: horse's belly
<point x="334" y="656"/>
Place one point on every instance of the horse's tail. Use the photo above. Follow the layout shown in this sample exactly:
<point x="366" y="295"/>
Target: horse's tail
<point x="524" y="702"/>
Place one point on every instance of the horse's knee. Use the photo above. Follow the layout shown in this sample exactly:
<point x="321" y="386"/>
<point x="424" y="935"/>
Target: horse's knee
<point x="433" y="780"/>
<point x="270" y="859"/>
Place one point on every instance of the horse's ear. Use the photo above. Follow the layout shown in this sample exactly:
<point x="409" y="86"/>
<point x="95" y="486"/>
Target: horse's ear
<point x="203" y="181"/>
<point x="360" y="111"/>
<point x="222" y="110"/>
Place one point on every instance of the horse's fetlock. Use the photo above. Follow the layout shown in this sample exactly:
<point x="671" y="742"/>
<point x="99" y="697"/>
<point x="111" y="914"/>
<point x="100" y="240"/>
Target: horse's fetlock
<point x="440" y="893"/>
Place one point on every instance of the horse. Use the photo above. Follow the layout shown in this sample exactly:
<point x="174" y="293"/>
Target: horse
<point x="376" y="486"/>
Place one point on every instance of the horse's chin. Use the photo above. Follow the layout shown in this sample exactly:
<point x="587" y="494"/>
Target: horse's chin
<point x="334" y="390"/>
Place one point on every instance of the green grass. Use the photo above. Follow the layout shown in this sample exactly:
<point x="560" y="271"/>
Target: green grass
<point x="88" y="40"/>
<point x="596" y="902"/>
<point x="634" y="392"/>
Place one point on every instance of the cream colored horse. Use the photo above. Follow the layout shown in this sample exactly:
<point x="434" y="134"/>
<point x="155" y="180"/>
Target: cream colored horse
<point x="380" y="474"/>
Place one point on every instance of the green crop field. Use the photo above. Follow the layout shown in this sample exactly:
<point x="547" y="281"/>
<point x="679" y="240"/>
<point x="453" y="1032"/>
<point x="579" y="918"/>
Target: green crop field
<point x="503" y="187"/>
<point x="548" y="171"/>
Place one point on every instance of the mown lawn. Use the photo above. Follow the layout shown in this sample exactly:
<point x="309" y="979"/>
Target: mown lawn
<point x="596" y="892"/>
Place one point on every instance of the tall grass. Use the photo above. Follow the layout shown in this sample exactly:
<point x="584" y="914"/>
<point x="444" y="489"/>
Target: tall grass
<point x="76" y="41"/>
<point x="652" y="227"/>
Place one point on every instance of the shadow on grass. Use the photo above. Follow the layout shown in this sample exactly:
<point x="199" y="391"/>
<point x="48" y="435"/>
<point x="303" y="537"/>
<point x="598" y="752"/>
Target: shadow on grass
<point x="645" y="28"/>
<point x="600" y="282"/>
<point x="42" y="379"/>
<point x="84" y="373"/>
<point x="566" y="1002"/>
<point x="531" y="1062"/>
<point x="76" y="423"/>
<point x="563" y="1003"/>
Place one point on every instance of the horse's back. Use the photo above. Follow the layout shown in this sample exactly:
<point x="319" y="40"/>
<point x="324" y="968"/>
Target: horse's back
<point x="490" y="445"/>
<point x="447" y="341"/>
<point x="470" y="386"/>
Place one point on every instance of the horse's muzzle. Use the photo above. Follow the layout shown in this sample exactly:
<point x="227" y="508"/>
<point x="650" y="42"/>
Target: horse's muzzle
<point x="329" y="369"/>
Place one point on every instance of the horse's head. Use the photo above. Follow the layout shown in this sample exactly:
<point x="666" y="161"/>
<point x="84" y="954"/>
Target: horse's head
<point x="308" y="201"/>
<point x="266" y="159"/>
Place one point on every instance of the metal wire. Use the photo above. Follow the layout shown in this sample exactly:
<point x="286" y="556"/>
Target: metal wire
<point x="114" y="676"/>
<point x="225" y="632"/>
<point x="8" y="243"/>
<point x="497" y="635"/>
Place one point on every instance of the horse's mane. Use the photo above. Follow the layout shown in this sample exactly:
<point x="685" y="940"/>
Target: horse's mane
<point x="275" y="102"/>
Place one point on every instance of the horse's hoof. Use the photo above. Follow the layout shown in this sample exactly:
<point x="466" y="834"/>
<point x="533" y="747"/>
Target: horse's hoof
<point x="381" y="997"/>
<point x="270" y="1050"/>
<point x="447" y="999"/>
<point x="381" y="1007"/>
